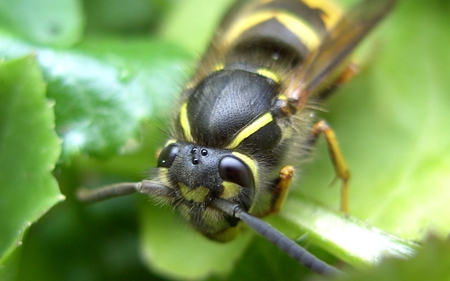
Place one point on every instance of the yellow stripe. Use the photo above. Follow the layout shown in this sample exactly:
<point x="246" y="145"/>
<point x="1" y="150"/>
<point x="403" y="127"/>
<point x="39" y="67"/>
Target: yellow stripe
<point x="282" y="97"/>
<point x="230" y="190"/>
<point x="170" y="142"/>
<point x="184" y="122"/>
<point x="296" y="25"/>
<point x="242" y="25"/>
<point x="301" y="29"/>
<point x="163" y="177"/>
<point x="184" y="211"/>
<point x="269" y="74"/>
<point x="331" y="12"/>
<point x="251" y="129"/>
<point x="218" y="67"/>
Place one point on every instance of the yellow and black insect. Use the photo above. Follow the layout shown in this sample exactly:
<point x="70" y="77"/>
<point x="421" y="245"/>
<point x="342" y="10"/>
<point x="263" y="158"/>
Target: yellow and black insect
<point x="248" y="114"/>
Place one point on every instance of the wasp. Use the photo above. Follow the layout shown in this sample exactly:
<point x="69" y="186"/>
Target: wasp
<point x="248" y="115"/>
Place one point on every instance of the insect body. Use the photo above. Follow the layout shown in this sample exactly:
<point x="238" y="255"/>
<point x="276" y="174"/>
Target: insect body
<point x="248" y="114"/>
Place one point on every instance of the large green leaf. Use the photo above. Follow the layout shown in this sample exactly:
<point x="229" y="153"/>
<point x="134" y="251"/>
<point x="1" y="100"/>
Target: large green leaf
<point x="51" y="22"/>
<point x="194" y="32"/>
<point x="432" y="262"/>
<point x="101" y="88"/>
<point x="29" y="149"/>
<point x="390" y="121"/>
<point x="127" y="18"/>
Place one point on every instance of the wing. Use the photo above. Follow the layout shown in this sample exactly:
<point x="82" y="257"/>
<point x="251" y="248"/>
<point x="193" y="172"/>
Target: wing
<point x="336" y="47"/>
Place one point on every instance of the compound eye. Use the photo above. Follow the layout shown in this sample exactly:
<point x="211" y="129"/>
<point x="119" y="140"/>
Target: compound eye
<point x="167" y="156"/>
<point x="234" y="170"/>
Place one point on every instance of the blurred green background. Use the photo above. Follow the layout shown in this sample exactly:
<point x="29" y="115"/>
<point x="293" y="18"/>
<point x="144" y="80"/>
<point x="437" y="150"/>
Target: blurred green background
<point x="103" y="77"/>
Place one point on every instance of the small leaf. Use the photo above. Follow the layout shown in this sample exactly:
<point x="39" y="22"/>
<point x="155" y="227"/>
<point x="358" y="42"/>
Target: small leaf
<point x="29" y="149"/>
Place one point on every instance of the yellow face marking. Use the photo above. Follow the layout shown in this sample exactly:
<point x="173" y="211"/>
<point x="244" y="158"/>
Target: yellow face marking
<point x="163" y="178"/>
<point x="197" y="194"/>
<point x="296" y="25"/>
<point x="332" y="13"/>
<point x="230" y="190"/>
<point x="269" y="74"/>
<point x="212" y="218"/>
<point x="251" y="129"/>
<point x="184" y="211"/>
<point x="184" y="122"/>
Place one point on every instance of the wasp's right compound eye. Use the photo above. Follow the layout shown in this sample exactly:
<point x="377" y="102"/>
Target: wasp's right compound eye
<point x="234" y="170"/>
<point x="167" y="156"/>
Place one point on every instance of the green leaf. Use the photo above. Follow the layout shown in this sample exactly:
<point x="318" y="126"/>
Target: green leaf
<point x="29" y="149"/>
<point x="51" y="22"/>
<point x="105" y="88"/>
<point x="390" y="122"/>
<point x="172" y="249"/>
<point x="194" y="34"/>
<point x="125" y="18"/>
<point x="432" y="261"/>
<point x="346" y="237"/>
<point x="371" y="116"/>
<point x="263" y="261"/>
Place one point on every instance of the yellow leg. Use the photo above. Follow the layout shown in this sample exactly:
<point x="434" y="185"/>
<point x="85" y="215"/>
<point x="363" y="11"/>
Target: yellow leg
<point x="339" y="164"/>
<point x="281" y="190"/>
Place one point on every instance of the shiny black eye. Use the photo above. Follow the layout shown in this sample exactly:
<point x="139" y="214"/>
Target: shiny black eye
<point x="234" y="170"/>
<point x="167" y="156"/>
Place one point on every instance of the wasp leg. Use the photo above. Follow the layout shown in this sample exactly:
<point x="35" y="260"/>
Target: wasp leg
<point x="339" y="164"/>
<point x="279" y="191"/>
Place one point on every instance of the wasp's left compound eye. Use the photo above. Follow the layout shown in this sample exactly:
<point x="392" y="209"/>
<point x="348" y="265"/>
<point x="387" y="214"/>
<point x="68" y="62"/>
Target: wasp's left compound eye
<point x="167" y="156"/>
<point x="234" y="170"/>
